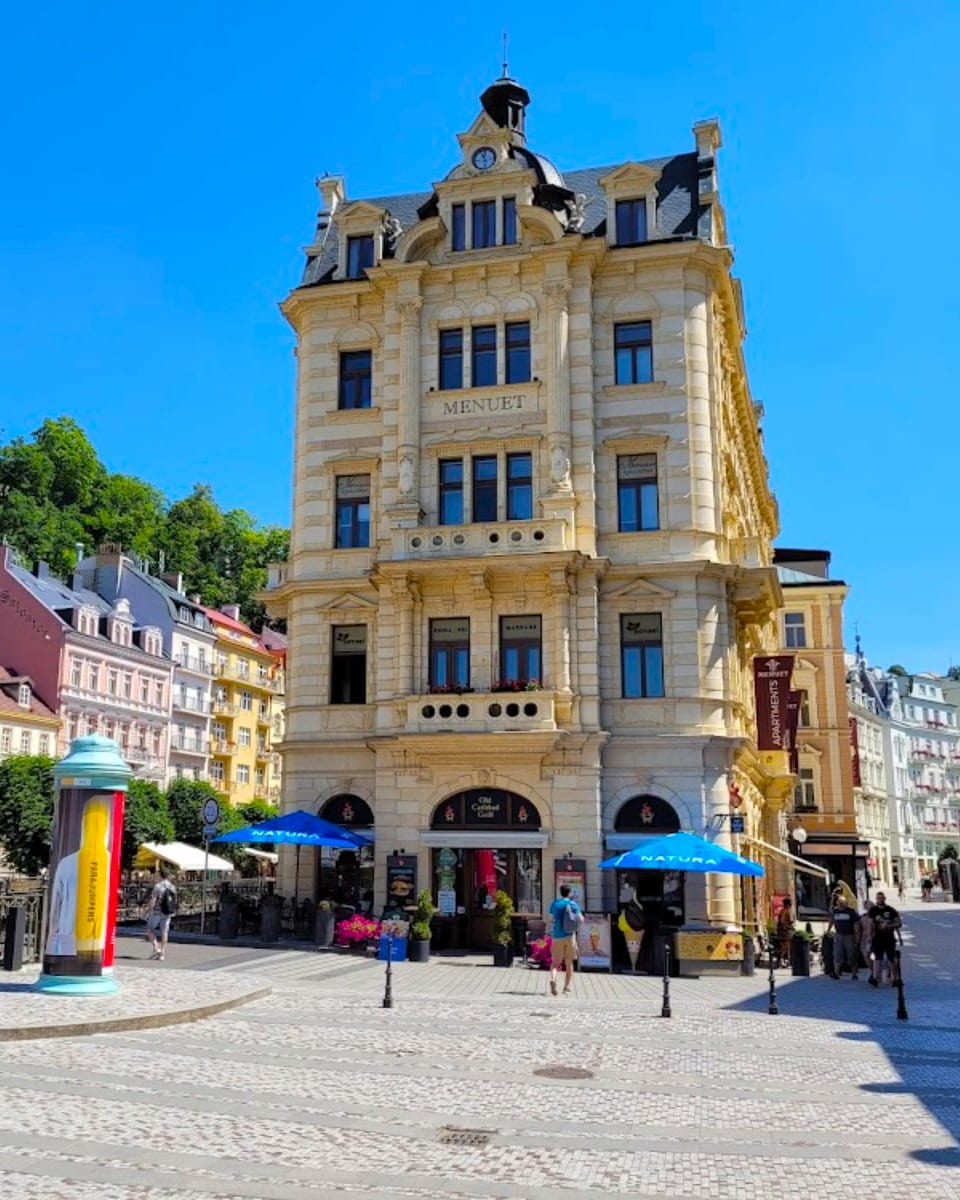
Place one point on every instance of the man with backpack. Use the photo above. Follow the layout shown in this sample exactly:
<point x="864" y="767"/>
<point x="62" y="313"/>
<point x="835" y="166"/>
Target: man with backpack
<point x="567" y="918"/>
<point x="163" y="908"/>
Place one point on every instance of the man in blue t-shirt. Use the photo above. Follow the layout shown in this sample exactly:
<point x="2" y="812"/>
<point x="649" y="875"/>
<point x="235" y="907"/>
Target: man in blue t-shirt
<point x="566" y="916"/>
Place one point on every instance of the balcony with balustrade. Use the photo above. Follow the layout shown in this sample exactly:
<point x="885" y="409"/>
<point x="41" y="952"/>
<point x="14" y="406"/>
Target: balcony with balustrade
<point x="482" y="712"/>
<point x="185" y="745"/>
<point x="194" y="663"/>
<point x="482" y="540"/>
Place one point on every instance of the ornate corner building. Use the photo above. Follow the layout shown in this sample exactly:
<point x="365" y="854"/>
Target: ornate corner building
<point x="531" y="551"/>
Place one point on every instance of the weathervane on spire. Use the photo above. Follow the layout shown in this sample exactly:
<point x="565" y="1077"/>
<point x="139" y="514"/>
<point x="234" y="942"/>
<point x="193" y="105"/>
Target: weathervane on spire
<point x="506" y="72"/>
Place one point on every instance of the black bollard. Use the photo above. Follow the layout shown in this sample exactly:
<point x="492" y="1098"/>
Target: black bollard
<point x="772" y="1005"/>
<point x="901" y="1004"/>
<point x="665" y="1008"/>
<point x="388" y="987"/>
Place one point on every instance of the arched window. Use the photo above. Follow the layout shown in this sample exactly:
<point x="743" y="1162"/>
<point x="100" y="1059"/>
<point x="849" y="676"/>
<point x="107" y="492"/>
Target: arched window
<point x="348" y="810"/>
<point x="646" y="814"/>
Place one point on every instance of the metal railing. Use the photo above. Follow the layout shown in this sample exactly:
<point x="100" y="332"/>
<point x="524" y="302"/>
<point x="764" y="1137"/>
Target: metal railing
<point x="134" y="899"/>
<point x="27" y="893"/>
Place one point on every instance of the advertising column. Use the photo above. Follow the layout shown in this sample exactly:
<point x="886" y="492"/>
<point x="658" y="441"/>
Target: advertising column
<point x="84" y="869"/>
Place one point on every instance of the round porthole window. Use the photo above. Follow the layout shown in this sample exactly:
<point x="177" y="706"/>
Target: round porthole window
<point x="416" y="543"/>
<point x="494" y="710"/>
<point x="463" y="710"/>
<point x="428" y="712"/>
<point x="530" y="710"/>
<point x="513" y="710"/>
<point x="538" y="535"/>
<point x="446" y="711"/>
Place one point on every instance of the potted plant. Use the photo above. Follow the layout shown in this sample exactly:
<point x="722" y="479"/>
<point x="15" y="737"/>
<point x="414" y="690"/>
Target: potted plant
<point x="502" y="930"/>
<point x="323" y="929"/>
<point x="357" y="932"/>
<point x="419" y="948"/>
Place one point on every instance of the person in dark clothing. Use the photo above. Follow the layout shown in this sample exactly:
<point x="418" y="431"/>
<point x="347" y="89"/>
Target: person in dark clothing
<point x="845" y="921"/>
<point x="886" y="925"/>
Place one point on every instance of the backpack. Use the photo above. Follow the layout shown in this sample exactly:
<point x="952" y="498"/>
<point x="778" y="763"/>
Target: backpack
<point x="571" y="918"/>
<point x="168" y="901"/>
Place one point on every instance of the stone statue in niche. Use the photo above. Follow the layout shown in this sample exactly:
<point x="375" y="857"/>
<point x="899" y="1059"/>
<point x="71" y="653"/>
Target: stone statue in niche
<point x="406" y="474"/>
<point x="560" y="467"/>
<point x="578" y="213"/>
<point x="392" y="230"/>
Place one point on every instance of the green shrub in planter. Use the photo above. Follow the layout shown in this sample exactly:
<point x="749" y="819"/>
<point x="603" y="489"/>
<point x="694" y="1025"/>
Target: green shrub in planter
<point x="502" y="930"/>
<point x="419" y="946"/>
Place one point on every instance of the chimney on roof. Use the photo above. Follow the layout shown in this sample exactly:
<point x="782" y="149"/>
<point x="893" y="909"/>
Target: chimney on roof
<point x="173" y="579"/>
<point x="78" y="548"/>
<point x="194" y="598"/>
<point x="231" y="610"/>
<point x="41" y="569"/>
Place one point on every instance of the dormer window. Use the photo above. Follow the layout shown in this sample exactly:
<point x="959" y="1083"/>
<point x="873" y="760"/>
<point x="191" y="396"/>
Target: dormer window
<point x="484" y="221"/>
<point x="631" y="222"/>
<point x="23" y="695"/>
<point x="359" y="255"/>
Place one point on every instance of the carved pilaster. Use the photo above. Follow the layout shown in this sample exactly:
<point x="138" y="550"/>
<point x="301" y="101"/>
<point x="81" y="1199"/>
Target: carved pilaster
<point x="408" y="434"/>
<point x="558" y="390"/>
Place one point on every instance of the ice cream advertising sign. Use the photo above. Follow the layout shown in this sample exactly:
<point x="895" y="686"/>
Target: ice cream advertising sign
<point x="593" y="942"/>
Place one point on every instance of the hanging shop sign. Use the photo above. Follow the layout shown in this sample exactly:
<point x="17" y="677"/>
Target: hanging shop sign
<point x="772" y="687"/>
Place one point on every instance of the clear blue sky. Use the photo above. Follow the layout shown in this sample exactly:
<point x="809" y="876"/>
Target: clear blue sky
<point x="159" y="166"/>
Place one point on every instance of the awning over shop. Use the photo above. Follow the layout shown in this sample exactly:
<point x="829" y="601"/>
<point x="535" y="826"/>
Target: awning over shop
<point x="800" y="864"/>
<point x="493" y="839"/>
<point x="181" y="856"/>
<point x="262" y="855"/>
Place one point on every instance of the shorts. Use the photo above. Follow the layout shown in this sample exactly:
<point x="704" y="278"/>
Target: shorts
<point x="883" y="947"/>
<point x="561" y="951"/>
<point x="159" y="923"/>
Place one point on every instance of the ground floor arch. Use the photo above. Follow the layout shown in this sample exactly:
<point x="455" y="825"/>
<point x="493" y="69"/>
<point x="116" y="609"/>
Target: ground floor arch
<point x="347" y="877"/>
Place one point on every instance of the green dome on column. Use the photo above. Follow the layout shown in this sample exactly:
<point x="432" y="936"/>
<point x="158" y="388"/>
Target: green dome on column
<point x="93" y="762"/>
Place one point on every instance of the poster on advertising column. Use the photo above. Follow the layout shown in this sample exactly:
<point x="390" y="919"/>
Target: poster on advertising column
<point x="771" y="677"/>
<point x="81" y="866"/>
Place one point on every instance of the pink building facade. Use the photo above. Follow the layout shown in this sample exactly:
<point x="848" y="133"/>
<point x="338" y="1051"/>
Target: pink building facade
<point x="89" y="662"/>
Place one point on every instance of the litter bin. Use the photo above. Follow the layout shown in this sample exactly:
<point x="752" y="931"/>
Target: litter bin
<point x="829" y="960"/>
<point x="799" y="955"/>
<point x="749" y="964"/>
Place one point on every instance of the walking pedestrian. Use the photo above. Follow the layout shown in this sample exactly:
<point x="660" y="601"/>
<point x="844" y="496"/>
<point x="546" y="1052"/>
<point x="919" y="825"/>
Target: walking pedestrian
<point x="926" y="887"/>
<point x="901" y="891"/>
<point x="162" y="909"/>
<point x="567" y="917"/>
<point x="886" y="924"/>
<point x="784" y="931"/>
<point x="845" y="921"/>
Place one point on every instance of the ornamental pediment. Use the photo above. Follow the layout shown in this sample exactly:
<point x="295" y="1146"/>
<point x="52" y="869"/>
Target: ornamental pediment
<point x="631" y="175"/>
<point x="347" y="600"/>
<point x="358" y="212"/>
<point x="640" y="587"/>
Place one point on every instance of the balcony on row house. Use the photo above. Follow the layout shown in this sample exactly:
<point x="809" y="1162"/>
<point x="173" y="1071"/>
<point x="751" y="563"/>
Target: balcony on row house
<point x="266" y="754"/>
<point x="186" y="745"/>
<point x="223" y="708"/>
<point x="188" y="703"/>
<point x="481" y="539"/>
<point x="112" y="700"/>
<point x="222" y="746"/>
<point x="482" y="712"/>
<point x="196" y="663"/>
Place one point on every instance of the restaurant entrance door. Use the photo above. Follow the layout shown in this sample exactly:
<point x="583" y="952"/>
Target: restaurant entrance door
<point x="490" y="843"/>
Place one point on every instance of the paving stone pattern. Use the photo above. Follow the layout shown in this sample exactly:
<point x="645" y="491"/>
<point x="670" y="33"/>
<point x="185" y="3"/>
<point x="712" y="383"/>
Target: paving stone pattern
<point x="318" y="1091"/>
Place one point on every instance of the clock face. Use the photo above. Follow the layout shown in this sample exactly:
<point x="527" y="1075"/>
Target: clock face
<point x="484" y="158"/>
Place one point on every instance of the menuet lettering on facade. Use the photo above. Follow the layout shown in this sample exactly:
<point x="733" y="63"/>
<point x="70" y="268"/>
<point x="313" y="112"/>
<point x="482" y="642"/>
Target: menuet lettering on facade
<point x="470" y="406"/>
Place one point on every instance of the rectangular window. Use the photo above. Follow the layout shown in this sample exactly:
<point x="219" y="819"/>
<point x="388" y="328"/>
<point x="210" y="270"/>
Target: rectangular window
<point x="633" y="352"/>
<point x="353" y="511"/>
<point x="485" y="487"/>
<point x="451" y="359"/>
<point x="449" y="653"/>
<point x="348" y="676"/>
<point x="451" y="491"/>
<point x="93" y="678"/>
<point x="641" y="655"/>
<point x="113" y="681"/>
<point x="631" y="222"/>
<point x="637" y="500"/>
<point x="518" y="351"/>
<point x="804" y="708"/>
<point x="216" y="772"/>
<point x="243" y="775"/>
<point x="6" y="740"/>
<point x="484" y="217"/>
<point x="261" y="777"/>
<point x="158" y="695"/>
<point x="359" y="255"/>
<point x="521" y="658"/>
<point x="805" y="793"/>
<point x="483" y="356"/>
<point x="794" y="631"/>
<point x="44" y="747"/>
<point x="458" y="234"/>
<point x="144" y="691"/>
<point x="76" y="674"/>
<point x="509" y="221"/>
<point x="246" y="702"/>
<point x="519" y="487"/>
<point x="244" y="736"/>
<point x="25" y="742"/>
<point x="356" y="379"/>
<point x="127" y="686"/>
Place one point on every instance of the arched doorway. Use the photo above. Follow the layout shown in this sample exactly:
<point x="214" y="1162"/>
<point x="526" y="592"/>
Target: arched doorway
<point x="660" y="894"/>
<point x="485" y="840"/>
<point x="346" y="876"/>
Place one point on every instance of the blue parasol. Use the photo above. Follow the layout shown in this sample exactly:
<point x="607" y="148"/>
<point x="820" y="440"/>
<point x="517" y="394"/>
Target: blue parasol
<point x="682" y="852"/>
<point x="298" y="828"/>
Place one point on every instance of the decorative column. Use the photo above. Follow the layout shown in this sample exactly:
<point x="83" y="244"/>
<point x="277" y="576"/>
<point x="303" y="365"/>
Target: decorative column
<point x="402" y="600"/>
<point x="410" y="399"/>
<point x="482" y="634"/>
<point x="558" y="386"/>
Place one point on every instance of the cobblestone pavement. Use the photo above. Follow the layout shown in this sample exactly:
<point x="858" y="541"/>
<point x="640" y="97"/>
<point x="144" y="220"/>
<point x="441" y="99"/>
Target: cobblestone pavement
<point x="319" y="1091"/>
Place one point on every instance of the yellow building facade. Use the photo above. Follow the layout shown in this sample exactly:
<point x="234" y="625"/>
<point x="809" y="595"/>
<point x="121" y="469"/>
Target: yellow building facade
<point x="531" y="555"/>
<point x="247" y="712"/>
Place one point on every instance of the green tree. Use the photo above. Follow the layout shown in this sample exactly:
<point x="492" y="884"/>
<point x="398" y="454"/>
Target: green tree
<point x="26" y="811"/>
<point x="896" y="669"/>
<point x="185" y="799"/>
<point x="947" y="852"/>
<point x="146" y="818"/>
<point x="128" y="511"/>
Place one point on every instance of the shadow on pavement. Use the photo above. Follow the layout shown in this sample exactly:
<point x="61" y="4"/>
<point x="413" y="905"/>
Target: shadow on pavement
<point x="924" y="1050"/>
